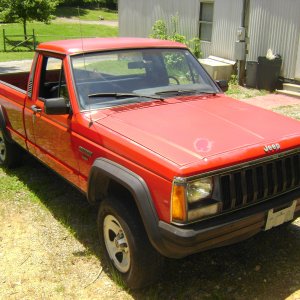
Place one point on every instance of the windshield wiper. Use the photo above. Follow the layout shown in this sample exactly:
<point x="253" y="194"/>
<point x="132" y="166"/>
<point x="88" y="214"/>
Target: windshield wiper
<point x="124" y="95"/>
<point x="183" y="91"/>
<point x="178" y="92"/>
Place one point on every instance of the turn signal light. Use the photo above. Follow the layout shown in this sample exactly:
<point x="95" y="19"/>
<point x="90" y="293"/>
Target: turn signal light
<point x="178" y="205"/>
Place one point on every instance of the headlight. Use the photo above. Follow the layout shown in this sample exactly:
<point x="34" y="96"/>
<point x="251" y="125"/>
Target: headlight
<point x="193" y="200"/>
<point x="199" y="189"/>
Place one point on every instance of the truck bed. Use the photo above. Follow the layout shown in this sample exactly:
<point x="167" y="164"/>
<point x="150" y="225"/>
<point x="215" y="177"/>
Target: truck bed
<point x="19" y="79"/>
<point x="13" y="94"/>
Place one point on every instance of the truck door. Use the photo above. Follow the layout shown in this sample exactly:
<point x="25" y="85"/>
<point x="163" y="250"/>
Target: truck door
<point x="53" y="133"/>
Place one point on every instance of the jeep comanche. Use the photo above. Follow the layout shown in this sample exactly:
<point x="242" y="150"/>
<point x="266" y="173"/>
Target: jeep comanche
<point x="174" y="166"/>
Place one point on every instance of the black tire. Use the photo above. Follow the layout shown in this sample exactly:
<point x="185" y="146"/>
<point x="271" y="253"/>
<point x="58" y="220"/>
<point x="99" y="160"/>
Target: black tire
<point x="10" y="153"/>
<point x="133" y="257"/>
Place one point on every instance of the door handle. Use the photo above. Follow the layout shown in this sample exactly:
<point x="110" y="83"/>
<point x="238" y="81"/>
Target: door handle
<point x="36" y="109"/>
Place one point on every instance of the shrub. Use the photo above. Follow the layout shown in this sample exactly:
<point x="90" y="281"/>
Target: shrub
<point x="161" y="31"/>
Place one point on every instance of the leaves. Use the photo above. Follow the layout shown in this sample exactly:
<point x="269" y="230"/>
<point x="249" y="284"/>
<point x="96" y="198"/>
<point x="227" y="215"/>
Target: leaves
<point x="162" y="32"/>
<point x="27" y="10"/>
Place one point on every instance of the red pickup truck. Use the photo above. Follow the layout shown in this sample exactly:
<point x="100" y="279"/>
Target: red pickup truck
<point x="174" y="165"/>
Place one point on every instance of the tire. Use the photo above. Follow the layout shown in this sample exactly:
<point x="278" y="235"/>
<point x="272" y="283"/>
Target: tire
<point x="125" y="244"/>
<point x="10" y="153"/>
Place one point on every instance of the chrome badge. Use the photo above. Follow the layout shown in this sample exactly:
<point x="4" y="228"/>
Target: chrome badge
<point x="273" y="147"/>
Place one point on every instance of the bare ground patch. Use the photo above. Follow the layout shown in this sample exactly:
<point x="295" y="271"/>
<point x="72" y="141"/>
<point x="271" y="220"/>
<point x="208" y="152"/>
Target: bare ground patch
<point x="41" y="256"/>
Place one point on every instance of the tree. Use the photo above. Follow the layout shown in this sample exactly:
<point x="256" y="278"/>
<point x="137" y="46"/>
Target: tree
<point x="27" y="10"/>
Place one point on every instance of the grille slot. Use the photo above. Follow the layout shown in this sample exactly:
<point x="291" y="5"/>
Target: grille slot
<point x="260" y="182"/>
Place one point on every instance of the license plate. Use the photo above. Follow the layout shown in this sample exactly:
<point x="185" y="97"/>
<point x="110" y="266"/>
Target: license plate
<point x="277" y="218"/>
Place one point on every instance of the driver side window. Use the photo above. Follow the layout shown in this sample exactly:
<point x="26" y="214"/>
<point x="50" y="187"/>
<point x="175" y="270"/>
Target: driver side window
<point x="52" y="82"/>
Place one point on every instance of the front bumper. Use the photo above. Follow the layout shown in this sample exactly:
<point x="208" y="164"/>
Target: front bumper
<point x="177" y="242"/>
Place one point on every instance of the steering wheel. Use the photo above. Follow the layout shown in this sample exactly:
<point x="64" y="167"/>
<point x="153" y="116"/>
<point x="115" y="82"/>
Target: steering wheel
<point x="174" y="78"/>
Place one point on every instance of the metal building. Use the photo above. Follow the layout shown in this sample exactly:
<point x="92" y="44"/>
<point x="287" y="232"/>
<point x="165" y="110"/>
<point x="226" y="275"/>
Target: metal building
<point x="270" y="24"/>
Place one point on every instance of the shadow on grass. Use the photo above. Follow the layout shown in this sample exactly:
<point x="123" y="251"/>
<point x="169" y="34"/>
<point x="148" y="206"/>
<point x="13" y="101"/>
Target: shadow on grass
<point x="66" y="204"/>
<point x="266" y="266"/>
<point x="20" y="45"/>
<point x="70" y="12"/>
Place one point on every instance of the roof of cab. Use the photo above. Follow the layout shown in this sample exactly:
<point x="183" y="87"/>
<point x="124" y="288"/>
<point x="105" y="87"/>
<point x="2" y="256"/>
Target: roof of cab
<point x="77" y="46"/>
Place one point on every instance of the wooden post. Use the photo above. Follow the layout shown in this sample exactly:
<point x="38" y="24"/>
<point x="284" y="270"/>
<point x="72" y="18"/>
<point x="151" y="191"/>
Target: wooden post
<point x="4" y="45"/>
<point x="241" y="72"/>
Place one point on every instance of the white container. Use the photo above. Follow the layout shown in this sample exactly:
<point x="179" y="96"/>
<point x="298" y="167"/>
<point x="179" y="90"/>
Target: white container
<point x="217" y="67"/>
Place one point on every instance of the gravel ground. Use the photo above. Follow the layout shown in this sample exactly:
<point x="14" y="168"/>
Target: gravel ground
<point x="271" y="101"/>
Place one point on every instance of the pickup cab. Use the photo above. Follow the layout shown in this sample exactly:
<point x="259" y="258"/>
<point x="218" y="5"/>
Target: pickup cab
<point x="173" y="165"/>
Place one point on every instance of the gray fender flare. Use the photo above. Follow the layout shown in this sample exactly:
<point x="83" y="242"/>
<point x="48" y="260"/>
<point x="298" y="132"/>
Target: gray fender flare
<point x="3" y="124"/>
<point x="103" y="170"/>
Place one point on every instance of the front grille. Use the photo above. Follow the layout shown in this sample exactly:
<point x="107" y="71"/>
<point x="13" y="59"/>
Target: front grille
<point x="260" y="182"/>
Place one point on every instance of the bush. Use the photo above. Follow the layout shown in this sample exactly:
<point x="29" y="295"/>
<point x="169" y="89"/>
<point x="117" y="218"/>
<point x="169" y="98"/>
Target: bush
<point x="161" y="32"/>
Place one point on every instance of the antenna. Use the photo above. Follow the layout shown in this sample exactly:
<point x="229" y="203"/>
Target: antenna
<point x="83" y="56"/>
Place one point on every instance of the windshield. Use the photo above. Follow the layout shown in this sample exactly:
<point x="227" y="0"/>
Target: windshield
<point x="114" y="78"/>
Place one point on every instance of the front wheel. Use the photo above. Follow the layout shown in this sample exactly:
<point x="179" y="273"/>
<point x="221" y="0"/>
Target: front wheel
<point x="125" y="244"/>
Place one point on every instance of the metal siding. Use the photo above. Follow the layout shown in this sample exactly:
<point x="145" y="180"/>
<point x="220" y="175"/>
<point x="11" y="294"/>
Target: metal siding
<point x="275" y="24"/>
<point x="205" y="49"/>
<point x="227" y="19"/>
<point x="297" y="72"/>
<point x="136" y="17"/>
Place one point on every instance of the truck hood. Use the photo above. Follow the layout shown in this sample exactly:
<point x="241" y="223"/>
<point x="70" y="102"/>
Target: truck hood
<point x="188" y="129"/>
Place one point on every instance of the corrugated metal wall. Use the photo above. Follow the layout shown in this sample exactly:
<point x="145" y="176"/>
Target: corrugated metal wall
<point x="275" y="24"/>
<point x="297" y="73"/>
<point x="136" y="17"/>
<point x="227" y="20"/>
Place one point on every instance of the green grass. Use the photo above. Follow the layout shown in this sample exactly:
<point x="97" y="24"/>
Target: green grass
<point x="85" y="14"/>
<point x="239" y="92"/>
<point x="8" y="56"/>
<point x="53" y="31"/>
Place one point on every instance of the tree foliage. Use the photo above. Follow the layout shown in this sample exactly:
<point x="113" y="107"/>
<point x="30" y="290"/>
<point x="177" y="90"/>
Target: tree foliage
<point x="27" y="10"/>
<point x="161" y="31"/>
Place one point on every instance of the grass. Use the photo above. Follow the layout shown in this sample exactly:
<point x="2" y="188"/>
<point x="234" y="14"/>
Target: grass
<point x="35" y="184"/>
<point x="292" y="111"/>
<point x="49" y="249"/>
<point x="53" y="31"/>
<point x="238" y="92"/>
<point x="85" y="14"/>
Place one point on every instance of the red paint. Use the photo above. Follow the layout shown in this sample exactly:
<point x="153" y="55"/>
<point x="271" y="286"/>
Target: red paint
<point x="76" y="46"/>
<point x="181" y="136"/>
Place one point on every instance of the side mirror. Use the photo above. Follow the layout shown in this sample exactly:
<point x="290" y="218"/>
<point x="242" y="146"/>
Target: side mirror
<point x="223" y="85"/>
<point x="56" y="106"/>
